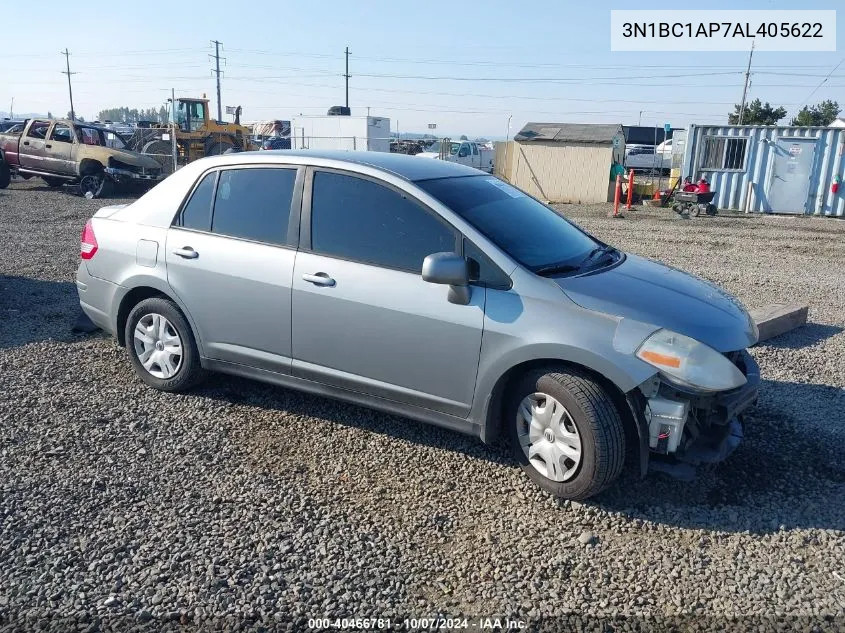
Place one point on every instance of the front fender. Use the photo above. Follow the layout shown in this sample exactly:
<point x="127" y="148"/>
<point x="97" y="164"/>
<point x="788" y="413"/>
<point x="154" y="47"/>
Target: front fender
<point x="523" y="331"/>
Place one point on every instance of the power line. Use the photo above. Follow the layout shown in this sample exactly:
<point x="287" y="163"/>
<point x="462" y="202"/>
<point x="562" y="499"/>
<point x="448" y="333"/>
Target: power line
<point x="153" y="51"/>
<point x="821" y="83"/>
<point x="543" y="79"/>
<point x="453" y="62"/>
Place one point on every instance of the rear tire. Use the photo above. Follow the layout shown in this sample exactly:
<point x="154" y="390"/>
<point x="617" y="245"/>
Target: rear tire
<point x="5" y="175"/>
<point x="163" y="330"/>
<point x="589" y="418"/>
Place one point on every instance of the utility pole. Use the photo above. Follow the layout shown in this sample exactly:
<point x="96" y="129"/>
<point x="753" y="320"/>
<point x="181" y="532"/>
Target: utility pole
<point x="67" y="72"/>
<point x="12" y="109"/>
<point x="640" y="120"/>
<point x="217" y="72"/>
<point x="347" y="76"/>
<point x="173" y="127"/>
<point x="745" y="89"/>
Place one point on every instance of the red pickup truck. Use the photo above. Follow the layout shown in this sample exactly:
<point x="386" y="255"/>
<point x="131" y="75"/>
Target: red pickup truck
<point x="62" y="151"/>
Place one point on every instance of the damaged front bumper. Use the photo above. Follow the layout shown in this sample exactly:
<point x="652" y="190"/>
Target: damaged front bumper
<point x="125" y="175"/>
<point x="687" y="428"/>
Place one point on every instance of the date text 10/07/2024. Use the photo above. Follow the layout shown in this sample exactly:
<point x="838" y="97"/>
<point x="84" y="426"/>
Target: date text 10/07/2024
<point x="721" y="29"/>
<point x="442" y="624"/>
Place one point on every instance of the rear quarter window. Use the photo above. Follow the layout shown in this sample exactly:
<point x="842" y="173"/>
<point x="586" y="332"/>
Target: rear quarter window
<point x="196" y="214"/>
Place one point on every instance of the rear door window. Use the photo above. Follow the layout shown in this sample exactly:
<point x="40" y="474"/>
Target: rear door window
<point x="38" y="129"/>
<point x="254" y="204"/>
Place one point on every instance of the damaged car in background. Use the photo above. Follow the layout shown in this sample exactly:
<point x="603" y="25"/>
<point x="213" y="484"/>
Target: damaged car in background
<point x="61" y="152"/>
<point x="426" y="289"/>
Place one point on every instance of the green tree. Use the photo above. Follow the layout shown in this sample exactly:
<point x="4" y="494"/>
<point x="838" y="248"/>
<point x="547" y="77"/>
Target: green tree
<point x="756" y="113"/>
<point x="822" y="114"/>
<point x="49" y="114"/>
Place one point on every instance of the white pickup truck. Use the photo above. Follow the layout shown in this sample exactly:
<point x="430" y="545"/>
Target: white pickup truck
<point x="464" y="152"/>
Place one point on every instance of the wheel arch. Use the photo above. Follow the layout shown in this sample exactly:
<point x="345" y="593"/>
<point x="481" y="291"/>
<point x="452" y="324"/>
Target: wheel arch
<point x="144" y="290"/>
<point x="89" y="164"/>
<point x="627" y="404"/>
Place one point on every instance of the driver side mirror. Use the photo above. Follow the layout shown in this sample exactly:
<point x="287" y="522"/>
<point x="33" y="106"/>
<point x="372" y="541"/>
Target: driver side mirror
<point x="463" y="153"/>
<point x="449" y="269"/>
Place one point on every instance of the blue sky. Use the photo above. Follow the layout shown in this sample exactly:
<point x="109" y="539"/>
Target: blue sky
<point x="455" y="64"/>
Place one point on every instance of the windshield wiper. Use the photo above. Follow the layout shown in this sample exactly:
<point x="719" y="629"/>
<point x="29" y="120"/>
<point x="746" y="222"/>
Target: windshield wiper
<point x="555" y="268"/>
<point x="598" y="251"/>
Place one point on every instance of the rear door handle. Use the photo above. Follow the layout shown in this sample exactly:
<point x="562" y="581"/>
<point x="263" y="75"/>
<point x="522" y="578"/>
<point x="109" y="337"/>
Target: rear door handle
<point x="48" y="146"/>
<point x="319" y="279"/>
<point x="187" y="252"/>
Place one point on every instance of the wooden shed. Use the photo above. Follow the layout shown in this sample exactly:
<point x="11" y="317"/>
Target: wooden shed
<point x="562" y="162"/>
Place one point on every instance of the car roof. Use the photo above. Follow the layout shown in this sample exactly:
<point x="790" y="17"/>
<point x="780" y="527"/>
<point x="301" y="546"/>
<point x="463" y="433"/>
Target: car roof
<point x="411" y="168"/>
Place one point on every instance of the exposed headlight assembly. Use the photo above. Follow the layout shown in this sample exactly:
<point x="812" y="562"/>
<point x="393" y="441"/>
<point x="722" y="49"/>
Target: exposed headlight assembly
<point x="685" y="361"/>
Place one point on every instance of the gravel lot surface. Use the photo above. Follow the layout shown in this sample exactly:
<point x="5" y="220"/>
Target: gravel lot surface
<point x="241" y="503"/>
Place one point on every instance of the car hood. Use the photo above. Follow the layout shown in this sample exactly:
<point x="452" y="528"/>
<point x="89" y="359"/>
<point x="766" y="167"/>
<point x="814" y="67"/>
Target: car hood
<point x="660" y="295"/>
<point x="134" y="158"/>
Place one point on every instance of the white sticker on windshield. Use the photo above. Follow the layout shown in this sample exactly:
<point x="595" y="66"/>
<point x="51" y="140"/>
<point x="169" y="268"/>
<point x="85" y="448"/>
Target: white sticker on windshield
<point x="513" y="192"/>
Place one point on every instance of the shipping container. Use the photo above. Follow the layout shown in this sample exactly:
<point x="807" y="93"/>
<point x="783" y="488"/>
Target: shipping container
<point x="768" y="169"/>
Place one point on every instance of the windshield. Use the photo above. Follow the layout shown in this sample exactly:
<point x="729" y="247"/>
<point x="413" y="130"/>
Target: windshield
<point x="530" y="232"/>
<point x="435" y="147"/>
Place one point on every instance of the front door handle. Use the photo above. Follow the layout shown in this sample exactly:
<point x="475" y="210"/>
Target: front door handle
<point x="187" y="252"/>
<point x="26" y="142"/>
<point x="319" y="279"/>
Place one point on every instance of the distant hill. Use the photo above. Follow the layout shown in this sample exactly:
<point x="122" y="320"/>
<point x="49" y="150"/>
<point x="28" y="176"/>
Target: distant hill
<point x="23" y="115"/>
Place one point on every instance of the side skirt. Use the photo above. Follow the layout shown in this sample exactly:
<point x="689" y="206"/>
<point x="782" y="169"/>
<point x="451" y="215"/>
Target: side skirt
<point x="428" y="416"/>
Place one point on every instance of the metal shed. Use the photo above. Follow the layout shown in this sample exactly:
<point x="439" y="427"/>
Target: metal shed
<point x="769" y="169"/>
<point x="562" y="162"/>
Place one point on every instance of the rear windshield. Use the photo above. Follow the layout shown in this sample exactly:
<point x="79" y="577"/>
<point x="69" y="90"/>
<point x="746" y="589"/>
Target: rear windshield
<point x="527" y="230"/>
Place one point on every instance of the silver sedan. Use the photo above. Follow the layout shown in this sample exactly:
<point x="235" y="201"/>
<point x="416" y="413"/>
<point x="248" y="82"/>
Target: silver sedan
<point x="429" y="290"/>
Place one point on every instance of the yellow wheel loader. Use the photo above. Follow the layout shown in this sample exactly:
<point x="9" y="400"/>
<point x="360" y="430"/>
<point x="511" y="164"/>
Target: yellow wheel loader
<point x="196" y="134"/>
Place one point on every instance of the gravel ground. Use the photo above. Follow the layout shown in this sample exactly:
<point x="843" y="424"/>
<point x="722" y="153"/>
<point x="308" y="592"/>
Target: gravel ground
<point x="242" y="503"/>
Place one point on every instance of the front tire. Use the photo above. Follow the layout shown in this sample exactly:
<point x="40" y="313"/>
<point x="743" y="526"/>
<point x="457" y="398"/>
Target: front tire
<point x="565" y="432"/>
<point x="161" y="346"/>
<point x="95" y="181"/>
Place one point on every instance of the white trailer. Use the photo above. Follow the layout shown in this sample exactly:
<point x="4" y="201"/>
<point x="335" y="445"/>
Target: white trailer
<point x="369" y="133"/>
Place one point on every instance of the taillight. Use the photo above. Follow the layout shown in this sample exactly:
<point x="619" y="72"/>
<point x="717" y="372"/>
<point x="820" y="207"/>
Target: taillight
<point x="88" y="242"/>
